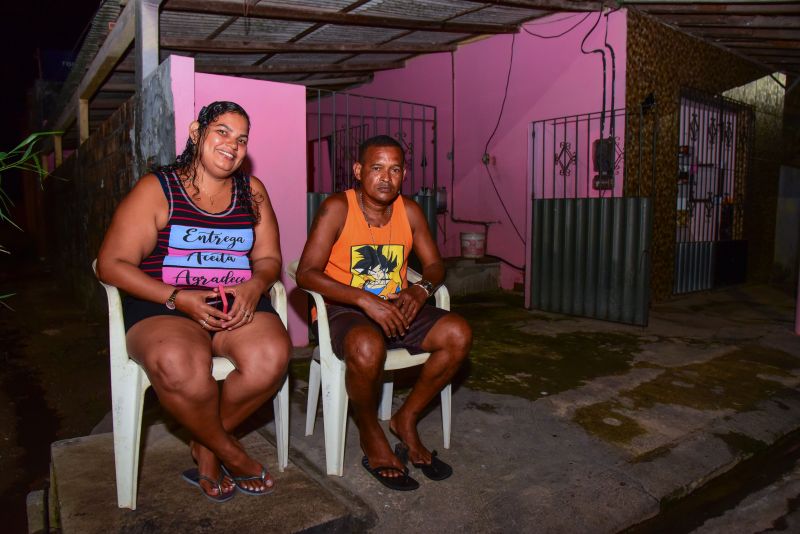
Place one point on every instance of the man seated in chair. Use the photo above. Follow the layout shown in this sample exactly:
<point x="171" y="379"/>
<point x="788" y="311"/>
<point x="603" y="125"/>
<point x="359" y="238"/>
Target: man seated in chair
<point x="356" y="257"/>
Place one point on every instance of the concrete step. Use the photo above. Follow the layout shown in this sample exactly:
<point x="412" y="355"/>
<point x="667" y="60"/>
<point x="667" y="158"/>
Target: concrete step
<point x="466" y="276"/>
<point x="83" y="492"/>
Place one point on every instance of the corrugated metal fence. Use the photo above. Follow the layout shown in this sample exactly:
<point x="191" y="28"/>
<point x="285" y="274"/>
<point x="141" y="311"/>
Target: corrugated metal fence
<point x="590" y="257"/>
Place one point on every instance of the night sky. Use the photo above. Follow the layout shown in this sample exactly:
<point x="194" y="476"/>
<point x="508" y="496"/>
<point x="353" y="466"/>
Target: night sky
<point x="26" y="25"/>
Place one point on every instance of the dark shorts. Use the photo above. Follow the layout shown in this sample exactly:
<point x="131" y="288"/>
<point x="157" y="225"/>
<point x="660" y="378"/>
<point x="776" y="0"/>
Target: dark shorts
<point x="135" y="310"/>
<point x="341" y="319"/>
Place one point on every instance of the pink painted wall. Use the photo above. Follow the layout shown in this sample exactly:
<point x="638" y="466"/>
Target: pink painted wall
<point x="276" y="153"/>
<point x="549" y="78"/>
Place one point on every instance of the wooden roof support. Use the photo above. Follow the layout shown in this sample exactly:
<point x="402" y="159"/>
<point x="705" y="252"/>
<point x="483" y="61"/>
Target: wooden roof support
<point x="136" y="20"/>
<point x="332" y="17"/>
<point x="118" y="40"/>
<point x="83" y="119"/>
<point x="58" y="150"/>
<point x="730" y="21"/>
<point x="548" y="5"/>
<point x="323" y="82"/>
<point x="719" y="8"/>
<point x="215" y="68"/>
<point x="252" y="47"/>
<point x="146" y="38"/>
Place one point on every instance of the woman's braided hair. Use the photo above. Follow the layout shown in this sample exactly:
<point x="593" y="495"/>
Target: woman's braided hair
<point x="185" y="165"/>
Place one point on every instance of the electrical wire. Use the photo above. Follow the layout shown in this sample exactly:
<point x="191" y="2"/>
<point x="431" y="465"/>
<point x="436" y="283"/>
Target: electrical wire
<point x="560" y="34"/>
<point x="603" y="55"/>
<point x="777" y="81"/>
<point x="505" y="95"/>
<point x="613" y="73"/>
<point x="496" y="126"/>
<point x="453" y="149"/>
<point x="486" y="151"/>
<point x="540" y="22"/>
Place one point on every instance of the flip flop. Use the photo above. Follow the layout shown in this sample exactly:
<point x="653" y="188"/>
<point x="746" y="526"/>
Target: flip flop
<point x="436" y="470"/>
<point x="401" y="483"/>
<point x="263" y="477"/>
<point x="193" y="477"/>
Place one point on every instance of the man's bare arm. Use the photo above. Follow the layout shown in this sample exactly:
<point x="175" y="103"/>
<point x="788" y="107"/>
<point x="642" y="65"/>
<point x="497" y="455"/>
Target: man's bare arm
<point x="410" y="300"/>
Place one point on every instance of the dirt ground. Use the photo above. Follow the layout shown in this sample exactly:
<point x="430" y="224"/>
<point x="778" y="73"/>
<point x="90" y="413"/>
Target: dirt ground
<point x="53" y="378"/>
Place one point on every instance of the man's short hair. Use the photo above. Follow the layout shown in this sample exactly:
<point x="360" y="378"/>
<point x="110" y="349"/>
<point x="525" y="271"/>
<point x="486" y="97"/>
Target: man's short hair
<point x="379" y="140"/>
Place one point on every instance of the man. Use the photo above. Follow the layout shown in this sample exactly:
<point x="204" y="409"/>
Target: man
<point x="356" y="256"/>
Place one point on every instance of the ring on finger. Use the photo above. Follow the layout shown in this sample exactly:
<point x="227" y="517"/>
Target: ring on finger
<point x="203" y="323"/>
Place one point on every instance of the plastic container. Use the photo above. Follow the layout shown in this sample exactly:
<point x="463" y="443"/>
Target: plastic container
<point x="473" y="244"/>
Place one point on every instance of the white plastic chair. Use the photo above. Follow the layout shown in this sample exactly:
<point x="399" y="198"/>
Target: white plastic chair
<point x="329" y="370"/>
<point x="129" y="382"/>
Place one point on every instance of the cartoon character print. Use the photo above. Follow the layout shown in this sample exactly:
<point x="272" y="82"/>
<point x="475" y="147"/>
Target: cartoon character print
<point x="376" y="268"/>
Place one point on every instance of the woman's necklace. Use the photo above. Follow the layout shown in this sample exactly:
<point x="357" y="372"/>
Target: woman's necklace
<point x="369" y="226"/>
<point x="210" y="197"/>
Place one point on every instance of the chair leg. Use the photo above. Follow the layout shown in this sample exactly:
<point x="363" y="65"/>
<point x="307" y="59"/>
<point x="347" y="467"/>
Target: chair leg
<point x="334" y="413"/>
<point x="280" y="405"/>
<point x="447" y="394"/>
<point x="127" y="402"/>
<point x="313" y="396"/>
<point x="385" y="407"/>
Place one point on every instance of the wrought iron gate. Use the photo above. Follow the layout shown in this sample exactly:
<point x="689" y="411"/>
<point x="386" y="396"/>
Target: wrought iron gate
<point x="714" y="151"/>
<point x="590" y="243"/>
<point x="337" y="123"/>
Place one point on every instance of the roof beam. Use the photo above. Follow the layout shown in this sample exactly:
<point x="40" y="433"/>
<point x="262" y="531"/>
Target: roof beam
<point x="732" y="21"/>
<point x="218" y="7"/>
<point x="746" y="33"/>
<point x="548" y="5"/>
<point x="115" y="45"/>
<point x="729" y="8"/>
<point x="765" y="44"/>
<point x="215" y="68"/>
<point x="323" y="82"/>
<point x="252" y="47"/>
<point x="764" y="52"/>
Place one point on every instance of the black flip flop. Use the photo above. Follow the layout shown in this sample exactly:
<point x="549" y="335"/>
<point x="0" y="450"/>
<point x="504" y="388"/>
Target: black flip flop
<point x="193" y="477"/>
<point x="436" y="470"/>
<point x="401" y="483"/>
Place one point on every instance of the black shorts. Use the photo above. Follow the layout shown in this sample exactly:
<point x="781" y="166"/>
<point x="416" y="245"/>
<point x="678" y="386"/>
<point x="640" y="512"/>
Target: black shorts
<point x="343" y="318"/>
<point x="135" y="310"/>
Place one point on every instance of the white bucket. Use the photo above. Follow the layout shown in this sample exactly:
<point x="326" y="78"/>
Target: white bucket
<point x="473" y="245"/>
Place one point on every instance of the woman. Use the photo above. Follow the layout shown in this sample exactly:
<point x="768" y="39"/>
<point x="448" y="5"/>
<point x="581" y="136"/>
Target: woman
<point x="182" y="235"/>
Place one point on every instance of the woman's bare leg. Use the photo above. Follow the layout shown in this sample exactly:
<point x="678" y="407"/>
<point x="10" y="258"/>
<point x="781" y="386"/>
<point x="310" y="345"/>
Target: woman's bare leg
<point x="260" y="350"/>
<point x="176" y="354"/>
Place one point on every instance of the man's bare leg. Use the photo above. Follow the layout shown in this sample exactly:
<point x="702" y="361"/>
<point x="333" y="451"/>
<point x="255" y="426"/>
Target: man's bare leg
<point x="365" y="354"/>
<point x="448" y="342"/>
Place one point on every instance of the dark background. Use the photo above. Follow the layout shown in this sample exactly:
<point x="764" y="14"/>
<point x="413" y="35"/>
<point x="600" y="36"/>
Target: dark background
<point x="27" y="29"/>
<point x="26" y="25"/>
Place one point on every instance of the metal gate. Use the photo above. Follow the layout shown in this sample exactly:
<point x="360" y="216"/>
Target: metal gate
<point x="590" y="244"/>
<point x="714" y="151"/>
<point x="337" y="123"/>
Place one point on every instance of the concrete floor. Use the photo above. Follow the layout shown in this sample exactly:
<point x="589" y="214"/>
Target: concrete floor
<point x="559" y="424"/>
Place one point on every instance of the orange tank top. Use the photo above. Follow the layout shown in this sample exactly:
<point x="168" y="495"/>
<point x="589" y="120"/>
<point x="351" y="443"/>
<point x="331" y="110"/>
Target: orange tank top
<point x="372" y="258"/>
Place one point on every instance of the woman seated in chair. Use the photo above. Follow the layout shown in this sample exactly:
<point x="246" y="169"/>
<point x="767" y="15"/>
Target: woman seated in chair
<point x="192" y="234"/>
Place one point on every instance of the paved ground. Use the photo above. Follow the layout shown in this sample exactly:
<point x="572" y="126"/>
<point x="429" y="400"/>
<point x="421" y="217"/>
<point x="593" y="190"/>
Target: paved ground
<point x="559" y="424"/>
<point x="712" y="381"/>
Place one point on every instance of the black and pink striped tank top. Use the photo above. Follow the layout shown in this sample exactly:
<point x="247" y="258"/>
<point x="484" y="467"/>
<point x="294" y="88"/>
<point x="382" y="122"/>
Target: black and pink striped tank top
<point x="198" y="249"/>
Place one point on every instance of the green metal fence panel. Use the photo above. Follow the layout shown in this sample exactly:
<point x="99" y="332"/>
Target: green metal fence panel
<point x="590" y="257"/>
